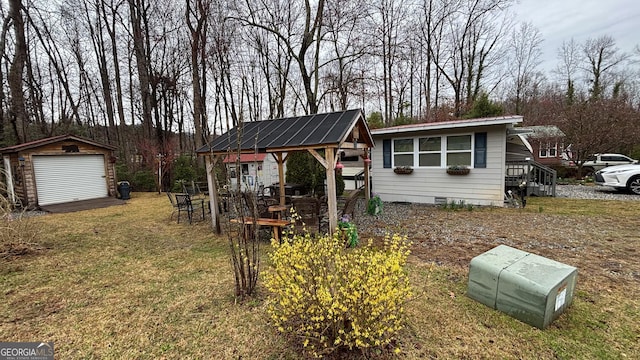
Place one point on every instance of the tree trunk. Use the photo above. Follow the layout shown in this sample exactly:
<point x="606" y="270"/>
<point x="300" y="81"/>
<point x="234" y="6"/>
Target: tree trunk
<point x="137" y="13"/>
<point x="17" y="112"/>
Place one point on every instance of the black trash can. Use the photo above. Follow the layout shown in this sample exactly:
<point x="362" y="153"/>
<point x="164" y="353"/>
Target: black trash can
<point x="124" y="189"/>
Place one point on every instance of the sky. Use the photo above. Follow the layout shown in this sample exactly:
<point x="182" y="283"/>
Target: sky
<point x="561" y="20"/>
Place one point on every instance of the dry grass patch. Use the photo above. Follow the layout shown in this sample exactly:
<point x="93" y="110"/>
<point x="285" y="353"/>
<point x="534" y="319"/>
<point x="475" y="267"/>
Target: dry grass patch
<point x="600" y="238"/>
<point x="127" y="282"/>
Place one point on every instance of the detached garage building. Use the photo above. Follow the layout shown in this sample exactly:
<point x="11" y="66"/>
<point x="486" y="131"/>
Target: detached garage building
<point x="58" y="170"/>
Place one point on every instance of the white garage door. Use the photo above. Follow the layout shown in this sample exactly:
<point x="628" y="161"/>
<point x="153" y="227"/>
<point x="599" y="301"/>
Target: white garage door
<point x="65" y="178"/>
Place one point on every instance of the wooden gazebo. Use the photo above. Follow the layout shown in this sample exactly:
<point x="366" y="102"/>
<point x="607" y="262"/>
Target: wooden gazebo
<point x="329" y="132"/>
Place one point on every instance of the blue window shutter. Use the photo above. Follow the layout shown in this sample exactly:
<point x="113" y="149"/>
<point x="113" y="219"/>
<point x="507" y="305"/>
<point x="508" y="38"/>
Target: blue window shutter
<point x="386" y="153"/>
<point x="480" y="156"/>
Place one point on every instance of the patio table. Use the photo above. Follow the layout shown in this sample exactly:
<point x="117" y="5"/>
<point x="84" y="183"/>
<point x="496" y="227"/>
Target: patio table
<point x="275" y="224"/>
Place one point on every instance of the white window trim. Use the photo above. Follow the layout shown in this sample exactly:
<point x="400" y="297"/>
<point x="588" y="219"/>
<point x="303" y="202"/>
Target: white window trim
<point x="443" y="150"/>
<point x="546" y="147"/>
<point x="554" y="148"/>
<point x="418" y="152"/>
<point x="394" y="153"/>
<point x="541" y="154"/>
<point x="446" y="152"/>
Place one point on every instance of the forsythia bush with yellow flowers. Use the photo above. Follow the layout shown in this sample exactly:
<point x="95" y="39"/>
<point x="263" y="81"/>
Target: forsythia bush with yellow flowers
<point x="333" y="297"/>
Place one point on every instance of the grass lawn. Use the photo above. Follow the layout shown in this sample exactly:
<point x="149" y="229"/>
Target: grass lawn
<point x="127" y="282"/>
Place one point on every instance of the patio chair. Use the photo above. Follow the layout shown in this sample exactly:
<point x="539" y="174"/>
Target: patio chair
<point x="252" y="203"/>
<point x="350" y="204"/>
<point x="184" y="203"/>
<point x="174" y="205"/>
<point x="193" y="190"/>
<point x="308" y="210"/>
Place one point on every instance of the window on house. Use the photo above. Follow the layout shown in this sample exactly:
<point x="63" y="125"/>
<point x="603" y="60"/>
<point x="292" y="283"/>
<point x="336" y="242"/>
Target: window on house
<point x="548" y="150"/>
<point x="434" y="151"/>
<point x="543" y="151"/>
<point x="403" y="152"/>
<point x="429" y="151"/>
<point x="459" y="150"/>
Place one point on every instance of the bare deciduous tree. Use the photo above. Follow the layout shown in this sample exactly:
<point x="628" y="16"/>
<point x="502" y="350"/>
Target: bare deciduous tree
<point x="303" y="46"/>
<point x="17" y="111"/>
<point x="473" y="32"/>
<point x="524" y="47"/>
<point x="602" y="58"/>
<point x="198" y="12"/>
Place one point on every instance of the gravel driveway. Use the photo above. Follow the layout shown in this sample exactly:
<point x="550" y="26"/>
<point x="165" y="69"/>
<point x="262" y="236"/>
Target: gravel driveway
<point x="593" y="192"/>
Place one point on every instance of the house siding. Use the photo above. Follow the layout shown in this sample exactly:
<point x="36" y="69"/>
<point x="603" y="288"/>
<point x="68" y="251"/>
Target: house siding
<point x="263" y="173"/>
<point x="482" y="186"/>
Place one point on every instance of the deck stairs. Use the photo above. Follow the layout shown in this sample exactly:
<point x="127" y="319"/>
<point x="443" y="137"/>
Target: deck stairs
<point x="540" y="180"/>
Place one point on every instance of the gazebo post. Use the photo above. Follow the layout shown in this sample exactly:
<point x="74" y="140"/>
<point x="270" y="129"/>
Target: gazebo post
<point x="213" y="194"/>
<point x="280" y="162"/>
<point x="332" y="202"/>
<point x="367" y="184"/>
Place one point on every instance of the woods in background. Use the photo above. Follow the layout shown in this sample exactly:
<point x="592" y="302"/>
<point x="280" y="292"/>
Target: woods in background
<point x="158" y="79"/>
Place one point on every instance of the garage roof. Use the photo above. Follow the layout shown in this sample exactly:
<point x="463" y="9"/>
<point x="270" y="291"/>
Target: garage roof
<point x="51" y="140"/>
<point x="295" y="133"/>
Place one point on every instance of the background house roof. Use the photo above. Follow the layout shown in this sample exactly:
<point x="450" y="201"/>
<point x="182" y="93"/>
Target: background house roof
<point x="245" y="158"/>
<point x="542" y="131"/>
<point x="309" y="131"/>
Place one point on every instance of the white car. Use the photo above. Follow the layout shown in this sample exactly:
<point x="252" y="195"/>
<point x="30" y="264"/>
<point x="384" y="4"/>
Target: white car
<point x="620" y="177"/>
<point x="597" y="162"/>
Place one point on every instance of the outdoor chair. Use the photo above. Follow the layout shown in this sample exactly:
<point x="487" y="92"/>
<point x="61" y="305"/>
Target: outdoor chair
<point x="184" y="203"/>
<point x="350" y="204"/>
<point x="174" y="205"/>
<point x="253" y="203"/>
<point x="193" y="190"/>
<point x="308" y="210"/>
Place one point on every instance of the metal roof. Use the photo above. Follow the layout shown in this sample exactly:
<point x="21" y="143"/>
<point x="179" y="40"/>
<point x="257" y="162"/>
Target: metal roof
<point x="309" y="131"/>
<point x="452" y="124"/>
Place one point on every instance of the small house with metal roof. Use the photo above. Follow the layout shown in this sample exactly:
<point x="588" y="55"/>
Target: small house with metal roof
<point x="257" y="170"/>
<point x="443" y="162"/>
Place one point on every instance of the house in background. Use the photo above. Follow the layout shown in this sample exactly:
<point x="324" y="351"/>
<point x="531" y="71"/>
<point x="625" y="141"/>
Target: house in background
<point x="256" y="170"/>
<point x="547" y="143"/>
<point x="353" y="168"/>
<point x="412" y="163"/>
<point x="58" y="170"/>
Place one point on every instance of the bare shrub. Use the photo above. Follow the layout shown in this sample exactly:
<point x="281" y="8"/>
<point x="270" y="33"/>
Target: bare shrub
<point x="17" y="233"/>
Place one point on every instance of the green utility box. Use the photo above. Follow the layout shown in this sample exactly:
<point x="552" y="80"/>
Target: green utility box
<point x="529" y="287"/>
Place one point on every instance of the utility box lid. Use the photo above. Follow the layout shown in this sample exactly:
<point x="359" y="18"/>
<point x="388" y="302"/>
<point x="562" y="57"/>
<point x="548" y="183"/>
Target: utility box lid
<point x="529" y="287"/>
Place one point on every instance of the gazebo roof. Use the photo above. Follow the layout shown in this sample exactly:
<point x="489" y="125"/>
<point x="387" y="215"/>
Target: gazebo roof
<point x="295" y="133"/>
